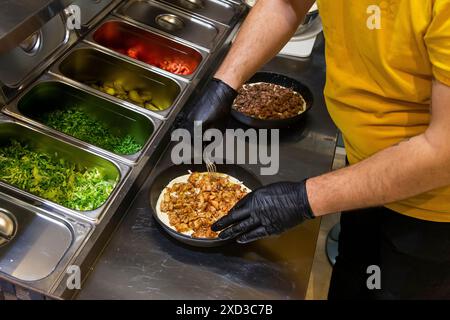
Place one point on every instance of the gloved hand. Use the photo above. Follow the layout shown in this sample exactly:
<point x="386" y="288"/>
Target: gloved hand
<point x="214" y="107"/>
<point x="267" y="211"/>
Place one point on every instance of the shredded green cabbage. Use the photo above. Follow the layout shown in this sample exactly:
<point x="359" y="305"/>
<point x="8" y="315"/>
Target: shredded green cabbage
<point x="53" y="179"/>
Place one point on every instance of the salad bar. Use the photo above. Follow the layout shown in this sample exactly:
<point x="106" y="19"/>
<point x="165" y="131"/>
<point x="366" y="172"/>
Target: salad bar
<point x="86" y="114"/>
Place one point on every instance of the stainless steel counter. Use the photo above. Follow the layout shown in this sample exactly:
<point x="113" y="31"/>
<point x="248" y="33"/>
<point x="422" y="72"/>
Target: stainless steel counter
<point x="142" y="262"/>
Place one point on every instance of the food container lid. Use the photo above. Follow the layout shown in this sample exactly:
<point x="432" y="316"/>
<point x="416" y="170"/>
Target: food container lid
<point x="7" y="227"/>
<point x="19" y="19"/>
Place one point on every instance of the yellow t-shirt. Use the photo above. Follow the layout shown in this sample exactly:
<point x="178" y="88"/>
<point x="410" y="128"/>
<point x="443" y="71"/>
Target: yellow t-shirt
<point x="381" y="61"/>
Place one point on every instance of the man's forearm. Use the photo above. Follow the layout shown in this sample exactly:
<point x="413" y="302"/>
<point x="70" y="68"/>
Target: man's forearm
<point x="394" y="174"/>
<point x="410" y="168"/>
<point x="269" y="26"/>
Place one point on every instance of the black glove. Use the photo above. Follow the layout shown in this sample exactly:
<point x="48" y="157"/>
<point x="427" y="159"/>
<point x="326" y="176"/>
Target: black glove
<point x="267" y="211"/>
<point x="214" y="107"/>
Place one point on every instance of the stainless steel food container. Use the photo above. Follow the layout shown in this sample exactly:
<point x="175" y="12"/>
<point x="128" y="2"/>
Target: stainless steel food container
<point x="92" y="11"/>
<point x="222" y="11"/>
<point x="20" y="18"/>
<point x="172" y="21"/>
<point x="21" y="65"/>
<point x="41" y="246"/>
<point x="41" y="141"/>
<point x="116" y="36"/>
<point x="85" y="63"/>
<point x="51" y="93"/>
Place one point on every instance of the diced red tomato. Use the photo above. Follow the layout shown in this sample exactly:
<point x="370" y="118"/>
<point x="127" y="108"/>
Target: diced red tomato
<point x="133" y="52"/>
<point x="172" y="65"/>
<point x="175" y="66"/>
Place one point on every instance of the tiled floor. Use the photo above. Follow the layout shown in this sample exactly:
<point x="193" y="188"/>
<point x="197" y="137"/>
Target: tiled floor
<point x="321" y="271"/>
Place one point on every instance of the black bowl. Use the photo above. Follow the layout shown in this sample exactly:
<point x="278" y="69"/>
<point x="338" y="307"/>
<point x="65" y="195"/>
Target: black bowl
<point x="164" y="178"/>
<point x="286" y="82"/>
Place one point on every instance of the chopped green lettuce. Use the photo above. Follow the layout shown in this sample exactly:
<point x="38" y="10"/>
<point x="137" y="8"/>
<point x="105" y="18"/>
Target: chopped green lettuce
<point x="54" y="179"/>
<point x="78" y="124"/>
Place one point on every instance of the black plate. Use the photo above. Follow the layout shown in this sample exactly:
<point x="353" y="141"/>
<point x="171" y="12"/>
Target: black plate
<point x="164" y="178"/>
<point x="282" y="81"/>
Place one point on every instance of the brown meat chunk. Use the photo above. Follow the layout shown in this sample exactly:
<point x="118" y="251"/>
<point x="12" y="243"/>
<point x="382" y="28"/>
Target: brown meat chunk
<point x="199" y="203"/>
<point x="269" y="101"/>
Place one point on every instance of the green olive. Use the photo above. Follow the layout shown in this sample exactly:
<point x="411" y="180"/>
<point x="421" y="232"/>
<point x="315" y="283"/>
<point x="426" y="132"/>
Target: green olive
<point x="152" y="107"/>
<point x="147" y="96"/>
<point x="134" y="96"/>
<point x="111" y="91"/>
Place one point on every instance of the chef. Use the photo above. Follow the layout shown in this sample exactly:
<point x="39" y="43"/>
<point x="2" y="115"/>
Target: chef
<point x="388" y="91"/>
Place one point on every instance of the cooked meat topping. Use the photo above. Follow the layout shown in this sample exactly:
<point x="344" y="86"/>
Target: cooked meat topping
<point x="269" y="101"/>
<point x="196" y="205"/>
